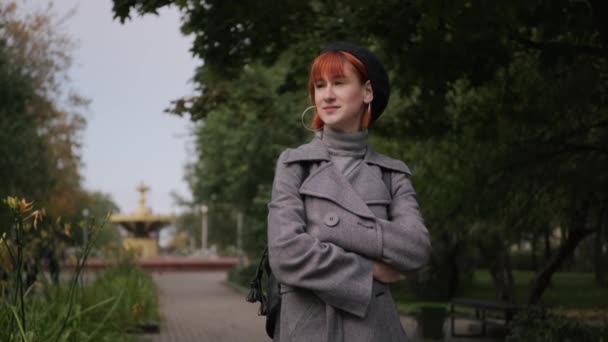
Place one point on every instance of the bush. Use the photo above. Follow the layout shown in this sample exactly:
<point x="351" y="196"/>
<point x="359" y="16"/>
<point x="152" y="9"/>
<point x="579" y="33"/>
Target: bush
<point x="538" y="325"/>
<point x="32" y="308"/>
<point x="117" y="301"/>
<point x="522" y="260"/>
<point x="242" y="275"/>
<point x="135" y="293"/>
<point x="440" y="280"/>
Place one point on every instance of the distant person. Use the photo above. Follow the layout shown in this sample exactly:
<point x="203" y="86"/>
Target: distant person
<point x="343" y="221"/>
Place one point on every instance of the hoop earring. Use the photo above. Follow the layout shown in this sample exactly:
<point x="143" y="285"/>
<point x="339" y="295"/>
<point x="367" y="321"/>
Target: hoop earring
<point x="302" y="119"/>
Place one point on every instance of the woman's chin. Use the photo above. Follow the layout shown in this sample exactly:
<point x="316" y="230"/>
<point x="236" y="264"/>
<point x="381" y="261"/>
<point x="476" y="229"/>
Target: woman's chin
<point x="331" y="119"/>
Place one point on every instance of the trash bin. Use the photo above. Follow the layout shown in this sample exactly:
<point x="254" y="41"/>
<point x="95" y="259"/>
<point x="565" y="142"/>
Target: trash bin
<point x="430" y="321"/>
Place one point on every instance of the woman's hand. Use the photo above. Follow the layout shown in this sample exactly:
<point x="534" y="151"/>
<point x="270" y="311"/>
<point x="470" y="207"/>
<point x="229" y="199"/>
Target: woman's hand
<point x="385" y="273"/>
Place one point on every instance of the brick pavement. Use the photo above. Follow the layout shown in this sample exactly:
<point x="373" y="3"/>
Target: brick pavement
<point x="198" y="307"/>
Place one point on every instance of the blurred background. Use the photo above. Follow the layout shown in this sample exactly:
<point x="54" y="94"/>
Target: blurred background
<point x="500" y="109"/>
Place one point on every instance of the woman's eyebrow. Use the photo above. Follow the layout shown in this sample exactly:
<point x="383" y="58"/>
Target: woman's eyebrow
<point x="336" y="77"/>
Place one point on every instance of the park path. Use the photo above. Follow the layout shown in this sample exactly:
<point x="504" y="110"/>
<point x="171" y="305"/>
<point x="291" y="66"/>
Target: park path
<point x="201" y="307"/>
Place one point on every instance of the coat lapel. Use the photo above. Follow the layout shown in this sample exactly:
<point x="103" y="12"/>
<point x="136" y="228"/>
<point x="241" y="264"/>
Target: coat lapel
<point x="368" y="183"/>
<point x="327" y="182"/>
<point x="365" y="186"/>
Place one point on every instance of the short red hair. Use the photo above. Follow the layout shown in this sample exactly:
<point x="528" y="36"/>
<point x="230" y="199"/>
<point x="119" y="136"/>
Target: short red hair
<point x="331" y="64"/>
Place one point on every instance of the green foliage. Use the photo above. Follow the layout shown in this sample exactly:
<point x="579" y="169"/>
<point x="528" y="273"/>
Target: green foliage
<point x="40" y="119"/>
<point x="102" y="311"/>
<point x="238" y="144"/>
<point x="440" y="280"/>
<point x="137" y="301"/>
<point x="568" y="290"/>
<point x="221" y="228"/>
<point x="570" y="294"/>
<point x="99" y="206"/>
<point x="24" y="173"/>
<point x="34" y="309"/>
<point x="539" y="326"/>
<point x="242" y="275"/>
<point x="500" y="110"/>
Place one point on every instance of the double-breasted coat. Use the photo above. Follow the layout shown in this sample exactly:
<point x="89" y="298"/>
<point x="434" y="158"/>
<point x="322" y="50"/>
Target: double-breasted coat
<point x="325" y="231"/>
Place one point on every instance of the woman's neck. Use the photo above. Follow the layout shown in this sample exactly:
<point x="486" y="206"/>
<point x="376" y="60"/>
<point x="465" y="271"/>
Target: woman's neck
<point x="355" y="141"/>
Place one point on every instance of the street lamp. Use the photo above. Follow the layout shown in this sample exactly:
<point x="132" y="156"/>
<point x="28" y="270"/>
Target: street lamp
<point x="204" y="230"/>
<point x="85" y="233"/>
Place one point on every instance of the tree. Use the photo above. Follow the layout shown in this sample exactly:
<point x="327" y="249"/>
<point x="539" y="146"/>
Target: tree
<point x="97" y="206"/>
<point x="237" y="145"/>
<point x="41" y="120"/>
<point x="503" y="106"/>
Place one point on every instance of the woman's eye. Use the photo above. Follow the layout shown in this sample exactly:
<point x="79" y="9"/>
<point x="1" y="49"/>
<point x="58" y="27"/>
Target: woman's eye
<point x="319" y="85"/>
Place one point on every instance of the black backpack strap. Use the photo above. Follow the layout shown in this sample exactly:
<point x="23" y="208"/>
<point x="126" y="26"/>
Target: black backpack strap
<point x="255" y="287"/>
<point x="256" y="292"/>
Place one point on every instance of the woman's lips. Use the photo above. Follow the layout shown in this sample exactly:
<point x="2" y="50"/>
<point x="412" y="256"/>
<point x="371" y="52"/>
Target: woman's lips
<point x="330" y="109"/>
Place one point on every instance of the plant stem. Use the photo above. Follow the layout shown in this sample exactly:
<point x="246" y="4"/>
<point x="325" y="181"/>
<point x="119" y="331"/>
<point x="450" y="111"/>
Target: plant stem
<point x="19" y="273"/>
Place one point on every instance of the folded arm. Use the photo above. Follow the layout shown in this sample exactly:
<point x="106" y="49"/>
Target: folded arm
<point x="340" y="278"/>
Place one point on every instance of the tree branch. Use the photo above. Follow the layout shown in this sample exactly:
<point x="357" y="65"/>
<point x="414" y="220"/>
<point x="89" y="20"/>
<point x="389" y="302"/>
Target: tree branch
<point x="563" y="49"/>
<point x="600" y="18"/>
<point x="585" y="148"/>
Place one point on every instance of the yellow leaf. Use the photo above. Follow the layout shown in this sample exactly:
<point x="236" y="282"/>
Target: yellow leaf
<point x="67" y="229"/>
<point x="11" y="202"/>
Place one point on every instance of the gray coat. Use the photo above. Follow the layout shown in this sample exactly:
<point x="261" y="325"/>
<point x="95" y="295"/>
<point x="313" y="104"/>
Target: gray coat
<point x="324" y="232"/>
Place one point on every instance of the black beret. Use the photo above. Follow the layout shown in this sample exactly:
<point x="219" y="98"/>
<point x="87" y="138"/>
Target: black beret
<point x="375" y="71"/>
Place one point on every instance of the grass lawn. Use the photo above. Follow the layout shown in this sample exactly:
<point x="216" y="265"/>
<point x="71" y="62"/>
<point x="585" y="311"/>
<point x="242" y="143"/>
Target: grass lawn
<point x="570" y="293"/>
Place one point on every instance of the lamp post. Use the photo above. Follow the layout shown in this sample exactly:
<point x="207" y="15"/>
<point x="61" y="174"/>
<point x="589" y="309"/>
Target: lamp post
<point x="204" y="229"/>
<point x="239" y="236"/>
<point x="85" y="232"/>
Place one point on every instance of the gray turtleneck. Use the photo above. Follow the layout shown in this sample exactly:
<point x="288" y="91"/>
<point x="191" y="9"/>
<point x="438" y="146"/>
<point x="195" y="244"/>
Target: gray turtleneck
<point x="346" y="150"/>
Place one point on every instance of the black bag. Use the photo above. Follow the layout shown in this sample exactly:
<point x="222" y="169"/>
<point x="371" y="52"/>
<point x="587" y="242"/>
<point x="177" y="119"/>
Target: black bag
<point x="270" y="302"/>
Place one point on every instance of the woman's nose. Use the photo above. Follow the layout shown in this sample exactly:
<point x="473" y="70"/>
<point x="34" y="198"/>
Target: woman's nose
<point x="328" y="93"/>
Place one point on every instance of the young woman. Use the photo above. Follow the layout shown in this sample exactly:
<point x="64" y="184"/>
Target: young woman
<point x="343" y="220"/>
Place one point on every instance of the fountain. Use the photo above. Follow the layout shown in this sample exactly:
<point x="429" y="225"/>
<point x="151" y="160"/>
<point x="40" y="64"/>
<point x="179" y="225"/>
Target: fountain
<point x="143" y="225"/>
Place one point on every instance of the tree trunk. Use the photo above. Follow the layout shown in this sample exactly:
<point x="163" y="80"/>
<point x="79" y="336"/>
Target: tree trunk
<point x="576" y="235"/>
<point x="454" y="278"/>
<point x="533" y="251"/>
<point x="508" y="269"/>
<point x="500" y="268"/>
<point x="543" y="278"/>
<point x="548" y="246"/>
<point x="566" y="264"/>
<point x="452" y="261"/>
<point x="599" y="255"/>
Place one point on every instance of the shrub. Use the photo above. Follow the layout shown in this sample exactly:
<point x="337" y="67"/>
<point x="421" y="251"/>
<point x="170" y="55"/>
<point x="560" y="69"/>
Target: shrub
<point x="242" y="275"/>
<point x="538" y="325"/>
<point x="33" y="309"/>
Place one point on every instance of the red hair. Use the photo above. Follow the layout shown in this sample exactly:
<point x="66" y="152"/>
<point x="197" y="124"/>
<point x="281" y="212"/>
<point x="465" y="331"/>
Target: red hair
<point x="331" y="64"/>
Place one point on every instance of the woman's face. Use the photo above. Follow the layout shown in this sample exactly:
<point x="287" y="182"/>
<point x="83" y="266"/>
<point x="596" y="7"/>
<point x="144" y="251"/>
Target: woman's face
<point x="341" y="100"/>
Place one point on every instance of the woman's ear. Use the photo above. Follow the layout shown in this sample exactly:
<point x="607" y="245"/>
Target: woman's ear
<point x="368" y="92"/>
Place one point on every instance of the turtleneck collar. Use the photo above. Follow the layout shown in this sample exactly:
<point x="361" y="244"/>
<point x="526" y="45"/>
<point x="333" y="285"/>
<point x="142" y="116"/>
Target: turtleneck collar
<point x="354" y="142"/>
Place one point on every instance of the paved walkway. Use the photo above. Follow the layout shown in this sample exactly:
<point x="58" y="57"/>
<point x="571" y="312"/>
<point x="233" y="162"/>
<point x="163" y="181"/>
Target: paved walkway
<point x="198" y="307"/>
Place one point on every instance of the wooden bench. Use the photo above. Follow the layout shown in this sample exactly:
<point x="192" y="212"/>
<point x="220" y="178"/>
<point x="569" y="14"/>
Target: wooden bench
<point x="482" y="308"/>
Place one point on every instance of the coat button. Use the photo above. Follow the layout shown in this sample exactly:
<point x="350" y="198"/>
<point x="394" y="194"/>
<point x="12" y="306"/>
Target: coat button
<point x="331" y="219"/>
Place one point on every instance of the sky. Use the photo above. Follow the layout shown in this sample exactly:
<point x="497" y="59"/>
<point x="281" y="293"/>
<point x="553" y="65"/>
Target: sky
<point x="130" y="72"/>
